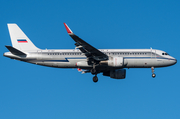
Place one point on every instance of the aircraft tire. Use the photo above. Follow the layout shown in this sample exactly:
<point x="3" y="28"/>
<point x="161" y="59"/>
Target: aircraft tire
<point x="95" y="79"/>
<point x="153" y="75"/>
<point x="93" y="71"/>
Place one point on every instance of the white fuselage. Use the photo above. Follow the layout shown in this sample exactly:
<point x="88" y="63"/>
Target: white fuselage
<point x="133" y="58"/>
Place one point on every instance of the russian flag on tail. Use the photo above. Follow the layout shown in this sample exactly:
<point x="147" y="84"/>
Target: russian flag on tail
<point x="22" y="41"/>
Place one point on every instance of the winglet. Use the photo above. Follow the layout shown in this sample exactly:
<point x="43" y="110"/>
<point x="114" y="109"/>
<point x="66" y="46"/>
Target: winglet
<point x="68" y="29"/>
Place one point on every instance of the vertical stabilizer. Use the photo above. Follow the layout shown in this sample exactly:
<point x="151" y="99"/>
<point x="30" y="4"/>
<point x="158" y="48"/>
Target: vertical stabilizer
<point x="19" y="39"/>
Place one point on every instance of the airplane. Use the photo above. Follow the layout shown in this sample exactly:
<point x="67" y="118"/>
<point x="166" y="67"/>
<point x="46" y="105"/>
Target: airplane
<point x="85" y="57"/>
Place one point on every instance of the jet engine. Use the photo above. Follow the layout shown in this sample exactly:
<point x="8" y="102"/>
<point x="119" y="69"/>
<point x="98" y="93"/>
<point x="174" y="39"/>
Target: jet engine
<point x="114" y="62"/>
<point x="116" y="74"/>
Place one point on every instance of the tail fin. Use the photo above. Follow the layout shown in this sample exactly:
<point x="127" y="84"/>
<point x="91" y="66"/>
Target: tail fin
<point x="19" y="39"/>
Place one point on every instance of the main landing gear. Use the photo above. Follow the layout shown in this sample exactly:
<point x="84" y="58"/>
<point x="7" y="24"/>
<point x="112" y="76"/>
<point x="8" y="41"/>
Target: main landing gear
<point x="153" y="74"/>
<point x="94" y="72"/>
<point x="95" y="79"/>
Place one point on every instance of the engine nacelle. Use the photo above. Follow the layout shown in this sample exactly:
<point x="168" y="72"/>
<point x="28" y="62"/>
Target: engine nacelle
<point x="116" y="74"/>
<point x="114" y="62"/>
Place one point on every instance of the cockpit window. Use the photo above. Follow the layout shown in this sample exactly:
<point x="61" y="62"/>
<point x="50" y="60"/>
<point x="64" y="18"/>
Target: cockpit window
<point x="165" y="54"/>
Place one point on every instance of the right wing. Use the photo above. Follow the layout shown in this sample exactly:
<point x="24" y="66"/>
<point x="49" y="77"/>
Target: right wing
<point x="86" y="48"/>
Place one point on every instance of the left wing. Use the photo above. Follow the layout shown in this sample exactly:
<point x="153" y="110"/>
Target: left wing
<point x="87" y="49"/>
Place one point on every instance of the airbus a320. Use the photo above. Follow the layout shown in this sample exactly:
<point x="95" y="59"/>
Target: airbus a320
<point x="85" y="57"/>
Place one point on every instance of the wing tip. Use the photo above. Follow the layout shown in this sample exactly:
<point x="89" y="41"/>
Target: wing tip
<point x="68" y="29"/>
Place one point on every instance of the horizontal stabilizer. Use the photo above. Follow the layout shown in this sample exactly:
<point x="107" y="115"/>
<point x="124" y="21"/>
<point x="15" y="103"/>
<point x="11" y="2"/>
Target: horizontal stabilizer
<point x="15" y="51"/>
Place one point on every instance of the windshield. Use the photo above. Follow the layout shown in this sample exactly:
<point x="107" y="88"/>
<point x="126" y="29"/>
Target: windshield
<point x="165" y="53"/>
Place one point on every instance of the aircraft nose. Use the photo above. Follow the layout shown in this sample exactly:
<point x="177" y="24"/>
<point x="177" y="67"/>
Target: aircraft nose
<point x="175" y="61"/>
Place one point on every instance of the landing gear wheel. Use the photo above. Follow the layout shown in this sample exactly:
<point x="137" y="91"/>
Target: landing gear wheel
<point x="153" y="75"/>
<point x="95" y="79"/>
<point x="93" y="71"/>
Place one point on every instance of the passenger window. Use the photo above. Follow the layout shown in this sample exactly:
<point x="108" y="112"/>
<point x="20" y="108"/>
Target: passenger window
<point x="162" y="53"/>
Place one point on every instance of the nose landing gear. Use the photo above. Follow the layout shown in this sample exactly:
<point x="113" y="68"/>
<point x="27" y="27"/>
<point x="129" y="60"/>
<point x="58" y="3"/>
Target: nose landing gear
<point x="153" y="74"/>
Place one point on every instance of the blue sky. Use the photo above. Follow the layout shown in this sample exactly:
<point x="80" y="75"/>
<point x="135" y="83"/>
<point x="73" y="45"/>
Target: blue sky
<point x="30" y="91"/>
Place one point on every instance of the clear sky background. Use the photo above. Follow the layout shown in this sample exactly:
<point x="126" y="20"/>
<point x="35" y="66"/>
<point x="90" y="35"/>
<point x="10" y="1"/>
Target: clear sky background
<point x="29" y="91"/>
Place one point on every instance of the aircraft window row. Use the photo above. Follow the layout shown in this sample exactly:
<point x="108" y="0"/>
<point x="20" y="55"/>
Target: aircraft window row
<point x="165" y="54"/>
<point x="126" y="53"/>
<point x="105" y="53"/>
<point x="64" y="53"/>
